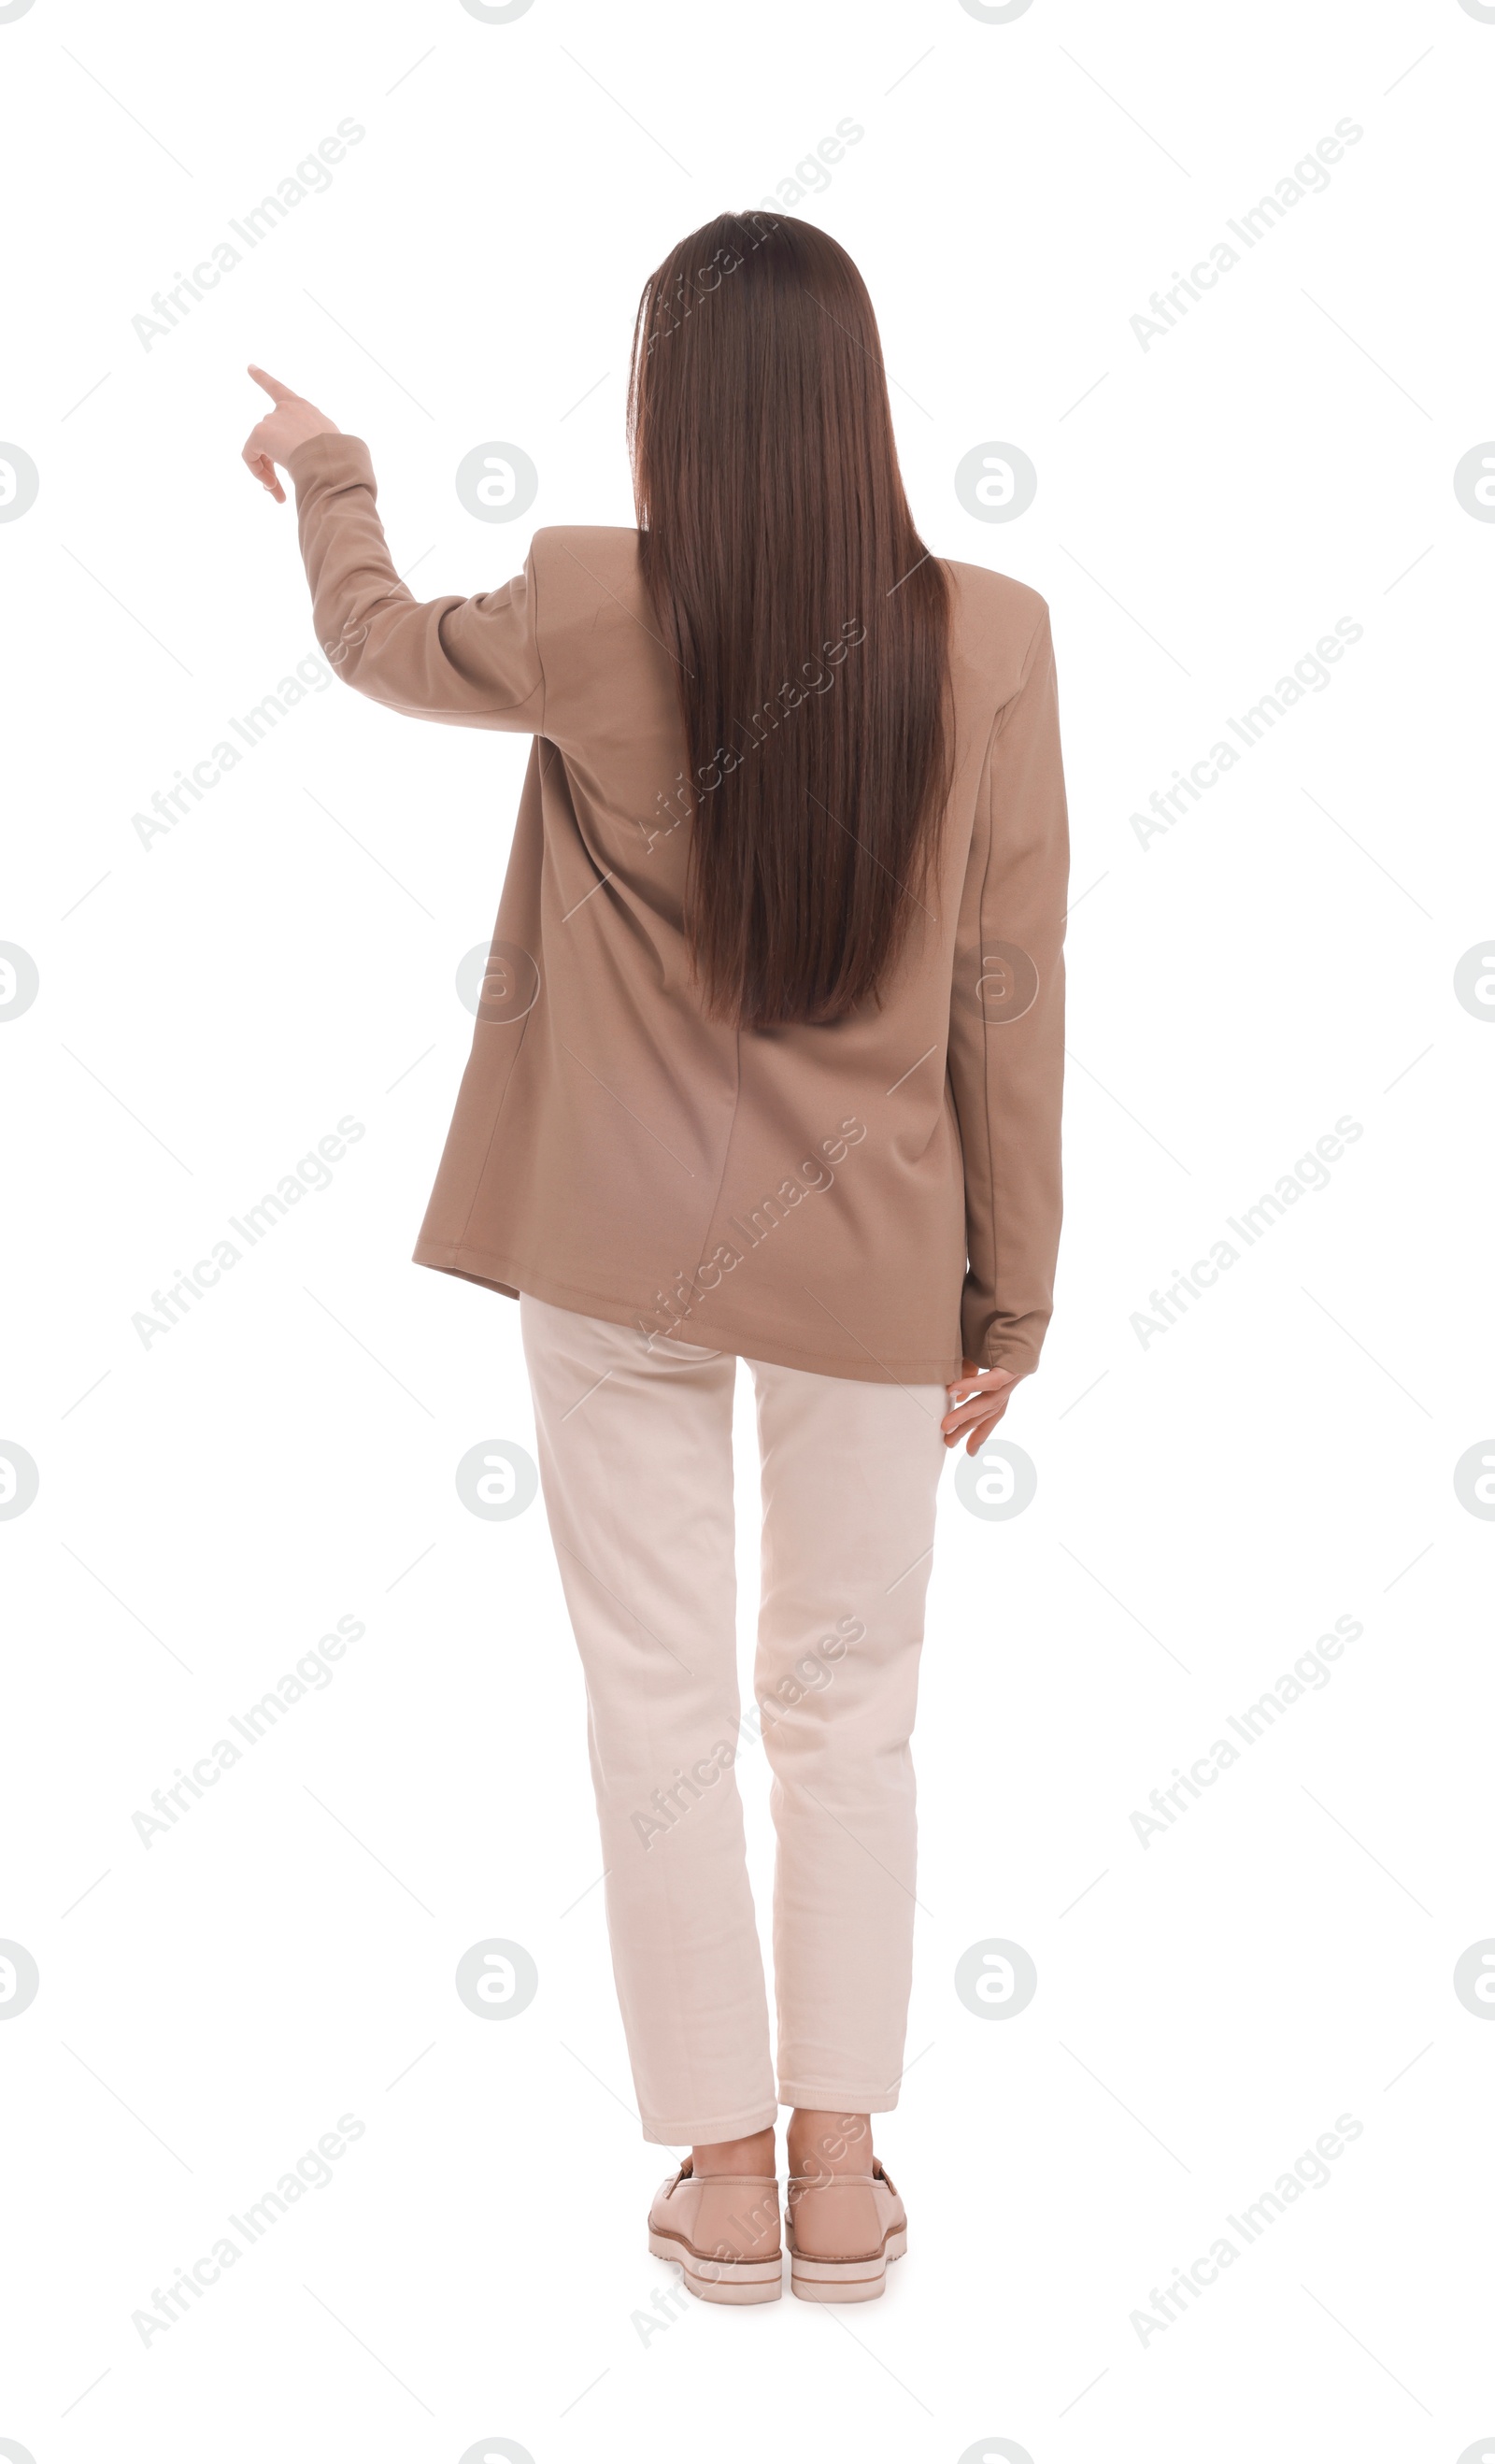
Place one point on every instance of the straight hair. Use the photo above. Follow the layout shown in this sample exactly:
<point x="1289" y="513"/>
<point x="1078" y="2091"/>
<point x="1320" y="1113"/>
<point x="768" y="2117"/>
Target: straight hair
<point x="808" y="623"/>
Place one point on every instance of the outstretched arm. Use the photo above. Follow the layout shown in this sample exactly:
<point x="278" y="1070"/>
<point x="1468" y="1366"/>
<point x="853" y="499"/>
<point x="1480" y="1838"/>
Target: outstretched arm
<point x="471" y="662"/>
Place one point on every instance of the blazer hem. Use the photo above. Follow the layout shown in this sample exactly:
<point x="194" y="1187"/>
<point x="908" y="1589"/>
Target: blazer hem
<point x="715" y="1334"/>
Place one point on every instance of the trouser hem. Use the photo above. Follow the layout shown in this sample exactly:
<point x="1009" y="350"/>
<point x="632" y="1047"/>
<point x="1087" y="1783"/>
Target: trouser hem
<point x="836" y="2100"/>
<point x="703" y="2134"/>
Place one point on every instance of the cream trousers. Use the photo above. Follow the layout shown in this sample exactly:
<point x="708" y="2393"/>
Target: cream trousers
<point x="635" y="1453"/>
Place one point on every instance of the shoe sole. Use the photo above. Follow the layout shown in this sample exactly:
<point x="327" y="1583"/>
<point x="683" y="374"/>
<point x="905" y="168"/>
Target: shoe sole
<point x="844" y="2280"/>
<point x="736" y="2281"/>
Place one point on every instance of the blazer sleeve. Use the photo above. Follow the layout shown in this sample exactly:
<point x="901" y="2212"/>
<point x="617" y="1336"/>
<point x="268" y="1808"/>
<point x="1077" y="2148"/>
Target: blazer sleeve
<point x="1006" y="1025"/>
<point x="471" y="662"/>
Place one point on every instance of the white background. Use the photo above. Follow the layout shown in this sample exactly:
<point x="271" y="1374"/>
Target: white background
<point x="1208" y="1503"/>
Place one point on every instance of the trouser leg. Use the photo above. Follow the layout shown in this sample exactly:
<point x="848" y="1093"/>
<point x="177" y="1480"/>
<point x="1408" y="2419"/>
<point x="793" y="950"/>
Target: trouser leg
<point x="635" y="1452"/>
<point x="850" y="1475"/>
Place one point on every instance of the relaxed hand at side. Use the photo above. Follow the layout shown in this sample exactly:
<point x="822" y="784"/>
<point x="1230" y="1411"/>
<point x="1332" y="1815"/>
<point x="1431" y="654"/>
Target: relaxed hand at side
<point x="978" y="1398"/>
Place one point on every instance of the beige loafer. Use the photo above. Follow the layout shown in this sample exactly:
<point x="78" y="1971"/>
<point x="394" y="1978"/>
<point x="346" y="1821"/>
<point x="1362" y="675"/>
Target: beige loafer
<point x="844" y="2228"/>
<point x="724" y="2230"/>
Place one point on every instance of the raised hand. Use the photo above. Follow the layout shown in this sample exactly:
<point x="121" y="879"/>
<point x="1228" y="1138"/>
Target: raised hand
<point x="290" y="424"/>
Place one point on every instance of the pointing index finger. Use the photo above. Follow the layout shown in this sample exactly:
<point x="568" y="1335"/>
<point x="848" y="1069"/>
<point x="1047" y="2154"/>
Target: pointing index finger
<point x="278" y="393"/>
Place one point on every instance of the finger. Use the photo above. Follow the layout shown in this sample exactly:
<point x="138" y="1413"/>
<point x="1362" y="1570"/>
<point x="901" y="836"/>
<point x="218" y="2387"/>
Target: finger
<point x="975" y="1432"/>
<point x="966" y="1410"/>
<point x="265" y="472"/>
<point x="261" y="460"/>
<point x="964" y="1398"/>
<point x="992" y="1379"/>
<point x="974" y="1411"/>
<point x="278" y="393"/>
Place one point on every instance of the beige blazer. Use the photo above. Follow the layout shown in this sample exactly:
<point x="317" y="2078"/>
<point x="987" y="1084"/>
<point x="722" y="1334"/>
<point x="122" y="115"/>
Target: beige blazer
<point x="868" y="1200"/>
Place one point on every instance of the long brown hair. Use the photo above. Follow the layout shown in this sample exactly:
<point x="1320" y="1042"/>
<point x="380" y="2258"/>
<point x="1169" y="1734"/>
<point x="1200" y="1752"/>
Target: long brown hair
<point x="808" y="622"/>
